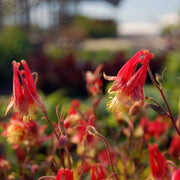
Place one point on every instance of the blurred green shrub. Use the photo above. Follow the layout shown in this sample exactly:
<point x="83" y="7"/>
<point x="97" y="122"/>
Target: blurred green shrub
<point x="171" y="29"/>
<point x="173" y="69"/>
<point x="172" y="79"/>
<point x="14" y="44"/>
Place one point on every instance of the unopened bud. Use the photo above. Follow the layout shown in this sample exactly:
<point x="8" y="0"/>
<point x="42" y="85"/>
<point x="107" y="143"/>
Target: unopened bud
<point x="134" y="109"/>
<point x="159" y="79"/>
<point x="92" y="131"/>
<point x="62" y="141"/>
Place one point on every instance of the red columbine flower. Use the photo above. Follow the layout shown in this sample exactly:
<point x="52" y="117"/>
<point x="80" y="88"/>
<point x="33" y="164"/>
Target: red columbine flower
<point x="63" y="174"/>
<point x="158" y="164"/>
<point x="25" y="98"/>
<point x="75" y="104"/>
<point x="99" y="172"/>
<point x="157" y="128"/>
<point x="174" y="147"/>
<point x="175" y="174"/>
<point x="31" y="85"/>
<point x="18" y="99"/>
<point x="68" y="174"/>
<point x="154" y="128"/>
<point x="128" y="85"/>
<point x="93" y="81"/>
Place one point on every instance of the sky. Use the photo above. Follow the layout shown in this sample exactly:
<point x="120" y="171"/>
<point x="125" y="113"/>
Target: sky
<point x="148" y="15"/>
<point x="130" y="10"/>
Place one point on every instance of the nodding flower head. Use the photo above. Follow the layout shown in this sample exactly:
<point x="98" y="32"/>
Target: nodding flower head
<point x="128" y="84"/>
<point x="25" y="98"/>
<point x="175" y="174"/>
<point x="98" y="171"/>
<point x="158" y="164"/>
<point x="68" y="174"/>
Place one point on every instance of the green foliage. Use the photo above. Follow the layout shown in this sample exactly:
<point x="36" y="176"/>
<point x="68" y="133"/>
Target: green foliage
<point x="173" y="69"/>
<point x="14" y="44"/>
<point x="171" y="80"/>
<point x="170" y="29"/>
<point x="57" y="98"/>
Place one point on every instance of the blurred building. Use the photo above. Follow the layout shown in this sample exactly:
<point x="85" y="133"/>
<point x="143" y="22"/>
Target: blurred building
<point x="43" y="13"/>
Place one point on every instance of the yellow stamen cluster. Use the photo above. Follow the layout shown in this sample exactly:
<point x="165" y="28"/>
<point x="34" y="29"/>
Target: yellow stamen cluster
<point x="114" y="105"/>
<point x="30" y="117"/>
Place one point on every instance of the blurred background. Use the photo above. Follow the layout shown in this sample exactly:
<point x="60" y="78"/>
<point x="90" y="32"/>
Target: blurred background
<point x="61" y="39"/>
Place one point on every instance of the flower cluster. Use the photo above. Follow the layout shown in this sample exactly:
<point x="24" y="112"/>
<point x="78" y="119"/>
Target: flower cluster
<point x="20" y="133"/>
<point x="78" y="147"/>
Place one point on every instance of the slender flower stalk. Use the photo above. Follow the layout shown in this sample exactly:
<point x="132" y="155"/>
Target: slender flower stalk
<point x="63" y="132"/>
<point x="109" y="155"/>
<point x="83" y="159"/>
<point x="165" y="101"/>
<point x="52" y="127"/>
<point x="94" y="132"/>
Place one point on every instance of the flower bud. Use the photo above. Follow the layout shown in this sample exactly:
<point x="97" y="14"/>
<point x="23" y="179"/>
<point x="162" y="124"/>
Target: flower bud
<point x="92" y="131"/>
<point x="62" y="141"/>
<point x="134" y="109"/>
<point x="159" y="78"/>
